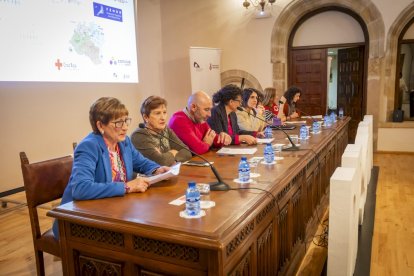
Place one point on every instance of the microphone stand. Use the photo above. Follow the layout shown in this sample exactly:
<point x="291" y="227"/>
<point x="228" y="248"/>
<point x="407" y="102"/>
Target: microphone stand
<point x="220" y="185"/>
<point x="292" y="148"/>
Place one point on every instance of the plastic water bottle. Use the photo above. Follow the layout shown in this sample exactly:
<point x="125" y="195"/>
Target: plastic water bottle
<point x="315" y="127"/>
<point x="333" y="117"/>
<point x="269" y="155"/>
<point x="327" y="121"/>
<point x="268" y="132"/>
<point x="341" y="113"/>
<point x="244" y="170"/>
<point x="303" y="133"/>
<point x="192" y="200"/>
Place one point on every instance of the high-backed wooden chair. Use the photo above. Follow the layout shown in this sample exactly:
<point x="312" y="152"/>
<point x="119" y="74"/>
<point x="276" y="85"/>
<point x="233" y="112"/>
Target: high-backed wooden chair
<point x="44" y="182"/>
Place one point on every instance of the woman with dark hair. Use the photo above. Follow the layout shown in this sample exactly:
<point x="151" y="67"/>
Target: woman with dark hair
<point x="224" y="118"/>
<point x="105" y="160"/>
<point x="151" y="141"/>
<point x="252" y="118"/>
<point x="292" y="95"/>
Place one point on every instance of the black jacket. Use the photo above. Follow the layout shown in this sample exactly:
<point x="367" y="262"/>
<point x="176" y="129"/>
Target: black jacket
<point x="218" y="122"/>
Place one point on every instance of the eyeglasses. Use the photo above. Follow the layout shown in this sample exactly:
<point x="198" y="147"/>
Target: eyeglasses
<point x="120" y="123"/>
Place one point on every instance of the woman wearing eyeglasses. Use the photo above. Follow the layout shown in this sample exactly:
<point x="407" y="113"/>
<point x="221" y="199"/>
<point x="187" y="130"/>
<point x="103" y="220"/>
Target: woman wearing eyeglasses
<point x="157" y="141"/>
<point x="224" y="118"/>
<point x="105" y="160"/>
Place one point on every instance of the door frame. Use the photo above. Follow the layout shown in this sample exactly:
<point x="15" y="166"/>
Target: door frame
<point x="397" y="95"/>
<point x="325" y="46"/>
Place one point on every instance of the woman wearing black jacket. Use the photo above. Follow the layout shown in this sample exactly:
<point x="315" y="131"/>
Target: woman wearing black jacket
<point x="224" y="118"/>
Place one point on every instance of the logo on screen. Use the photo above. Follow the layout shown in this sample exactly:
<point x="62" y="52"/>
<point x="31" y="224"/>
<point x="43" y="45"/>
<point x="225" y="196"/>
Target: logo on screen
<point x="112" y="61"/>
<point x="107" y="12"/>
<point x="58" y="64"/>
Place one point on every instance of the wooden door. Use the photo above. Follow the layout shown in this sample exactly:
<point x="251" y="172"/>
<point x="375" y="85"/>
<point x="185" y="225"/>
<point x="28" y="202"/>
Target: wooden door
<point x="350" y="92"/>
<point x="308" y="70"/>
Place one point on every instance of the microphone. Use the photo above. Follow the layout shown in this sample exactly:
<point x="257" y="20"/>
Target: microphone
<point x="242" y="84"/>
<point x="292" y="148"/>
<point x="220" y="185"/>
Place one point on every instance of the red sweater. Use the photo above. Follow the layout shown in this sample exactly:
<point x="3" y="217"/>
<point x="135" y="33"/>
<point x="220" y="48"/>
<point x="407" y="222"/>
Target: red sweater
<point x="190" y="133"/>
<point x="274" y="109"/>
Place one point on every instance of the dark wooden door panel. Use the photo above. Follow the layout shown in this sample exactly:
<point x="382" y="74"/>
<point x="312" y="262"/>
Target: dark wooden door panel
<point x="308" y="69"/>
<point x="350" y="94"/>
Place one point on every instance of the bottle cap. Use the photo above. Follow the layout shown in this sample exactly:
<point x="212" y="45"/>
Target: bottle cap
<point x="244" y="158"/>
<point x="191" y="184"/>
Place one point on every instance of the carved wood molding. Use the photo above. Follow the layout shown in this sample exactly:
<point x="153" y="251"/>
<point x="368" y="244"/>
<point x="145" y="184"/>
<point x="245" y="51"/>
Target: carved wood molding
<point x="244" y="233"/>
<point x="97" y="235"/>
<point x="92" y="266"/>
<point x="244" y="266"/>
<point x="167" y="249"/>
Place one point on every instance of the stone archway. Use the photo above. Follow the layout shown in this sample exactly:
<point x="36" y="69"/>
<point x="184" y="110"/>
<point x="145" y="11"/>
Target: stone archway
<point x="390" y="60"/>
<point x="373" y="21"/>
<point x="235" y="76"/>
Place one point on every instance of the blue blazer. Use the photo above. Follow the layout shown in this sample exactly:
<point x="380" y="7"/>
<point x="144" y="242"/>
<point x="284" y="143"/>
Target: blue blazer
<point x="91" y="176"/>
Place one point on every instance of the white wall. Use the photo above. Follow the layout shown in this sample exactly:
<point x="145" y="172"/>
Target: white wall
<point x="396" y="139"/>
<point x="333" y="86"/>
<point x="334" y="28"/>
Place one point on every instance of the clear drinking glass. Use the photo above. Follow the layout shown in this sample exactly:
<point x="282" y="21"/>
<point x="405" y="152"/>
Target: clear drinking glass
<point x="254" y="164"/>
<point x="278" y="152"/>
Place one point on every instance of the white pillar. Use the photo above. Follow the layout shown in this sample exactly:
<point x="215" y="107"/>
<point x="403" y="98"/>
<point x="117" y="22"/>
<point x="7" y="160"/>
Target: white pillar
<point x="362" y="139"/>
<point x="352" y="159"/>
<point x="342" y="209"/>
<point x="370" y="120"/>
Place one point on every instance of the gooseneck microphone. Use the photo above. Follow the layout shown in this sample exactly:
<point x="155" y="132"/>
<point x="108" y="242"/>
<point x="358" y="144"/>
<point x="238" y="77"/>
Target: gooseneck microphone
<point x="292" y="148"/>
<point x="220" y="185"/>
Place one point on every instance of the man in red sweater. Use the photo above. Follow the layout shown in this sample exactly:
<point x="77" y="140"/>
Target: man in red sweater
<point x="191" y="127"/>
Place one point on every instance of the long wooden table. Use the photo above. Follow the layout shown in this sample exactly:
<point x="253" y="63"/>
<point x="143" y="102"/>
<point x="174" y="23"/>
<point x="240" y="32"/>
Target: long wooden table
<point x="248" y="232"/>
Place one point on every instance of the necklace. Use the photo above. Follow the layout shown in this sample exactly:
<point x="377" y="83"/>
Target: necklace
<point x="117" y="165"/>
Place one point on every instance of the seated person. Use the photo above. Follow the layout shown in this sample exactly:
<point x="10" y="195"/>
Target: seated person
<point x="105" y="160"/>
<point x="223" y="116"/>
<point x="292" y="95"/>
<point x="272" y="105"/>
<point x="190" y="125"/>
<point x="153" y="145"/>
<point x="252" y="118"/>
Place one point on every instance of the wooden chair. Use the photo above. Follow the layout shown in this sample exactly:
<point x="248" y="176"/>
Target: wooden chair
<point x="44" y="182"/>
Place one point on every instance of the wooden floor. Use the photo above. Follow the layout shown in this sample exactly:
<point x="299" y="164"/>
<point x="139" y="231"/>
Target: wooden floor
<point x="392" y="244"/>
<point x="392" y="250"/>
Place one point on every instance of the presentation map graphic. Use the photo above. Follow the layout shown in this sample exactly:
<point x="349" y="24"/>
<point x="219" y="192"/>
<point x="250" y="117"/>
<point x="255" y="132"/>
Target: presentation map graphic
<point x="68" y="41"/>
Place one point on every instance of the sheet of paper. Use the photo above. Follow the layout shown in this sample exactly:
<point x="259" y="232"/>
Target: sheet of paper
<point x="175" y="170"/>
<point x="264" y="140"/>
<point x="197" y="163"/>
<point x="232" y="151"/>
<point x="295" y="122"/>
<point x="313" y="116"/>
<point x="179" y="201"/>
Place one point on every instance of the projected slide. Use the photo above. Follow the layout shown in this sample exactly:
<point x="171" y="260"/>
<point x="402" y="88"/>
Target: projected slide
<point x="68" y="41"/>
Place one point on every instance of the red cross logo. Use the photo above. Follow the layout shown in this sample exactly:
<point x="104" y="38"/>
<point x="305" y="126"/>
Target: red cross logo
<point x="58" y="64"/>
